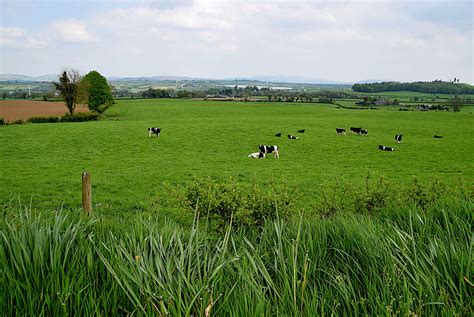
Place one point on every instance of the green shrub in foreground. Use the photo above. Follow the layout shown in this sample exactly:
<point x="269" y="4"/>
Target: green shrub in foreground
<point x="405" y="261"/>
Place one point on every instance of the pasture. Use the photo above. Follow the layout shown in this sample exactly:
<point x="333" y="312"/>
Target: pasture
<point x="42" y="163"/>
<point x="141" y="254"/>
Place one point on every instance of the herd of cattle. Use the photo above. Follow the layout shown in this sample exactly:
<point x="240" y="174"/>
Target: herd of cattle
<point x="274" y="149"/>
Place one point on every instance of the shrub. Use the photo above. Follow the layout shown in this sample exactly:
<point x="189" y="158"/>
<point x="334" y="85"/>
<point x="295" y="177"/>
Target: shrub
<point x="239" y="204"/>
<point x="80" y="117"/>
<point x="2" y="121"/>
<point x="51" y="119"/>
<point x="19" y="121"/>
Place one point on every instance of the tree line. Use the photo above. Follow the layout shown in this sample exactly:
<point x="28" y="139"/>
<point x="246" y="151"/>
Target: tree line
<point x="437" y="86"/>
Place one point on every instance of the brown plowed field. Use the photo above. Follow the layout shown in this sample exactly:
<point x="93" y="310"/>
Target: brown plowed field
<point x="12" y="110"/>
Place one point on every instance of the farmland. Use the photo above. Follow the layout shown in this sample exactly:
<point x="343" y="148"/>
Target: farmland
<point x="213" y="139"/>
<point x="404" y="257"/>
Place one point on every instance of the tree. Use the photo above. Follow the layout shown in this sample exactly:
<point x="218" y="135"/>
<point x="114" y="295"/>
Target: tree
<point x="98" y="94"/>
<point x="68" y="87"/>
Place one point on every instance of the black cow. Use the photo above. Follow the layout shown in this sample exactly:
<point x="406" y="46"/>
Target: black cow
<point x="292" y="137"/>
<point x="278" y="134"/>
<point x="398" y="138"/>
<point x="301" y="131"/>
<point x="437" y="136"/>
<point x="267" y="149"/>
<point x="341" y="131"/>
<point x="386" y="148"/>
<point x="363" y="132"/>
<point x="356" y="130"/>
<point x="154" y="131"/>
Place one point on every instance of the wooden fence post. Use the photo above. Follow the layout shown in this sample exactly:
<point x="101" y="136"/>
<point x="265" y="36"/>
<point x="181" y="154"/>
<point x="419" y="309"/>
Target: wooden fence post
<point x="86" y="194"/>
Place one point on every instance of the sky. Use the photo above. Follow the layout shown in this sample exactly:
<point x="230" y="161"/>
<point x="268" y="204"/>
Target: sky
<point x="345" y="41"/>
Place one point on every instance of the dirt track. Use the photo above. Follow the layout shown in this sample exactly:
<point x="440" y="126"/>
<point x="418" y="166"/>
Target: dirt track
<point x="12" y="110"/>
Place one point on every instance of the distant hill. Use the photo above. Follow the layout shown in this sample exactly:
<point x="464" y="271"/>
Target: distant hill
<point x="293" y="79"/>
<point x="25" y="78"/>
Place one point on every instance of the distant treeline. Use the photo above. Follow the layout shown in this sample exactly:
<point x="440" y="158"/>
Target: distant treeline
<point x="437" y="86"/>
<point x="249" y="91"/>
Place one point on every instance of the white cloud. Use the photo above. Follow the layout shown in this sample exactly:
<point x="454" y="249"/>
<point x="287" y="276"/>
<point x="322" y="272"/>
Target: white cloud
<point x="14" y="37"/>
<point x="72" y="31"/>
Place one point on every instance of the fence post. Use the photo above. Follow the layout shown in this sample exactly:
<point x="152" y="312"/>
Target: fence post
<point x="86" y="193"/>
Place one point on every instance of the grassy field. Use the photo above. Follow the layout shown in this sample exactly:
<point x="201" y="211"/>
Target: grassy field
<point x="43" y="163"/>
<point x="142" y="253"/>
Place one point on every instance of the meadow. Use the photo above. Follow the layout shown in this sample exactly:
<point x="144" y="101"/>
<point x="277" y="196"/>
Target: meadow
<point x="43" y="163"/>
<point x="142" y="252"/>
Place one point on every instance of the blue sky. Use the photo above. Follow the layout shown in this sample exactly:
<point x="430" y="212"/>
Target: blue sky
<point x="336" y="40"/>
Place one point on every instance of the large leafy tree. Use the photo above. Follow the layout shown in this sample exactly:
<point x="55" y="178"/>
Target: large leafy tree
<point x="98" y="95"/>
<point x="69" y="88"/>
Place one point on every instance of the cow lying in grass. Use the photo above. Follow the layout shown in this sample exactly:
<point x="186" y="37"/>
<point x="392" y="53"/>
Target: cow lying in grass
<point x="154" y="131"/>
<point x="268" y="149"/>
<point x="386" y="148"/>
<point x="292" y="137"/>
<point x="341" y="131"/>
<point x="398" y="138"/>
<point x="257" y="155"/>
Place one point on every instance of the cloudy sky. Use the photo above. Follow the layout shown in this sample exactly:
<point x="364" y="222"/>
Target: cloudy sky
<point x="336" y="40"/>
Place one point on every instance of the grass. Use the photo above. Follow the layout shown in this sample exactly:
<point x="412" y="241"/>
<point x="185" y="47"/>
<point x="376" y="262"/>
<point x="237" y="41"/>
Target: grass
<point x="44" y="163"/>
<point x="398" y="245"/>
<point x="401" y="261"/>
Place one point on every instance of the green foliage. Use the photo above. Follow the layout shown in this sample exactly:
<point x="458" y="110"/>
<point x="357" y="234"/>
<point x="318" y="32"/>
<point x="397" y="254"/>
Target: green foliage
<point x="239" y="204"/>
<point x="2" y="121"/>
<point x="402" y="261"/>
<point x="51" y="119"/>
<point x="80" y="117"/>
<point x="427" y="87"/>
<point x="98" y="93"/>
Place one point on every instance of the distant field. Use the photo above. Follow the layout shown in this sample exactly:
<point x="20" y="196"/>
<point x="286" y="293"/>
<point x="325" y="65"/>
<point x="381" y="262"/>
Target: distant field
<point x="12" y="110"/>
<point x="43" y="162"/>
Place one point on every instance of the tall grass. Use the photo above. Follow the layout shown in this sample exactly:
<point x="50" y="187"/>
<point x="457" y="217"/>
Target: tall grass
<point x="401" y="261"/>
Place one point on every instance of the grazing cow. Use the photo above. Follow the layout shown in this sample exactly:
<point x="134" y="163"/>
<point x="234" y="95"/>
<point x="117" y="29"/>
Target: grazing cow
<point x="278" y="134"/>
<point x="292" y="137"/>
<point x="363" y="132"/>
<point x="257" y="155"/>
<point x="437" y="136"/>
<point x="341" y="131"/>
<point x="398" y="138"/>
<point x="301" y="131"/>
<point x="154" y="131"/>
<point x="386" y="148"/>
<point x="267" y="149"/>
<point x="355" y="130"/>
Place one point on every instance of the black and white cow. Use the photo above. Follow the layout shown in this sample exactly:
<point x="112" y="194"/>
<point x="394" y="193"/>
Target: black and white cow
<point x="386" y="148"/>
<point x="355" y="130"/>
<point x="301" y="131"/>
<point x="341" y="131"/>
<point x="154" y="131"/>
<point x="292" y="137"/>
<point x="278" y="134"/>
<point x="363" y="132"/>
<point x="437" y="136"/>
<point x="398" y="138"/>
<point x="257" y="155"/>
<point x="268" y="149"/>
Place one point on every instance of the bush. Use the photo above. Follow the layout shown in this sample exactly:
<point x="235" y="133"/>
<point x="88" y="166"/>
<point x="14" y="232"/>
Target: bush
<point x="2" y="121"/>
<point x="239" y="204"/>
<point x="80" y="117"/>
<point x="51" y="119"/>
<point x="19" y="121"/>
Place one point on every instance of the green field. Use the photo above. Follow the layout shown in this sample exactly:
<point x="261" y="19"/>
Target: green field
<point x="43" y="163"/>
<point x="403" y="247"/>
